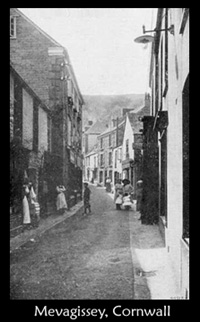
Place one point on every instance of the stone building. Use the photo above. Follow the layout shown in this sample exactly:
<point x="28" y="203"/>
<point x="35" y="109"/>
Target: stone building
<point x="44" y="66"/>
<point x="29" y="119"/>
<point x="109" y="140"/>
<point x="168" y="127"/>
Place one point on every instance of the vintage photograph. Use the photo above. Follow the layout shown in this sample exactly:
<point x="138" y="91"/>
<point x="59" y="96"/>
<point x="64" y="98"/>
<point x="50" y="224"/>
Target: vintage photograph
<point x="99" y="156"/>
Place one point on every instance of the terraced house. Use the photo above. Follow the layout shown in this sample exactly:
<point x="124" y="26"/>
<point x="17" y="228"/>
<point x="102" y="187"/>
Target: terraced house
<point x="109" y="141"/>
<point x="167" y="132"/>
<point x="46" y="111"/>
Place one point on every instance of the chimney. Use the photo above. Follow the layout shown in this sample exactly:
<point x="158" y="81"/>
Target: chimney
<point x="90" y="122"/>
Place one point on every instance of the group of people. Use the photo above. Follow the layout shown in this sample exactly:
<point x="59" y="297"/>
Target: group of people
<point x="123" y="193"/>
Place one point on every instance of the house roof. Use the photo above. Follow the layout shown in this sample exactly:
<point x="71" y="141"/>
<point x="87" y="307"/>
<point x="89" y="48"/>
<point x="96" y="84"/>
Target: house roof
<point x="34" y="70"/>
<point x="96" y="128"/>
<point x="134" y="117"/>
<point x="94" y="150"/>
<point x="111" y="129"/>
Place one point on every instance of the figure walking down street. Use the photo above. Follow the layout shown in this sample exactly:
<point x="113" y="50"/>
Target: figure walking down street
<point x="34" y="206"/>
<point x="139" y="195"/>
<point x="61" y="204"/>
<point x="118" y="194"/>
<point x="108" y="184"/>
<point x="128" y="188"/>
<point x="86" y="199"/>
<point x="25" y="205"/>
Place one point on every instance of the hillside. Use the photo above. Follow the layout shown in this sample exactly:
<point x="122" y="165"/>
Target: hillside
<point x="102" y="107"/>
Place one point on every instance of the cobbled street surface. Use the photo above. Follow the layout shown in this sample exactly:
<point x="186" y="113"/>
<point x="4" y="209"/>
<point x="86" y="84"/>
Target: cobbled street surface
<point x="84" y="257"/>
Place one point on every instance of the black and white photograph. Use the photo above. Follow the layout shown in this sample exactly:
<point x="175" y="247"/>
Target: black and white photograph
<point x="99" y="158"/>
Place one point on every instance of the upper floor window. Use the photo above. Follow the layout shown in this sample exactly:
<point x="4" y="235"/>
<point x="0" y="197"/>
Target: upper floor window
<point x="110" y="139"/>
<point x="127" y="148"/>
<point x="101" y="143"/>
<point x="12" y="26"/>
<point x="110" y="158"/>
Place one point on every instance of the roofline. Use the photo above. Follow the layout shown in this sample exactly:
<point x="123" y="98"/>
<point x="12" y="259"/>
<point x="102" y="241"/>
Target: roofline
<point x="37" y="27"/>
<point x="113" y="129"/>
<point x="55" y="43"/>
<point x="73" y="74"/>
<point x="91" y="153"/>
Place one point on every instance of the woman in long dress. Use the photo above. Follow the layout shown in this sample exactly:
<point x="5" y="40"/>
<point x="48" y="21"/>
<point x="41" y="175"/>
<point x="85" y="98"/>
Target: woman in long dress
<point x="25" y="206"/>
<point x="61" y="203"/>
<point x="118" y="189"/>
<point x="34" y="206"/>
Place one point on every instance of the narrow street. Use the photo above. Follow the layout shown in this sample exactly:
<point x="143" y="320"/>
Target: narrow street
<point x="84" y="257"/>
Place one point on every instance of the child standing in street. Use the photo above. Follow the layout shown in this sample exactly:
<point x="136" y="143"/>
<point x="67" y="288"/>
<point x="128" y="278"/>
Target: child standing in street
<point x="86" y="199"/>
<point x="118" y="200"/>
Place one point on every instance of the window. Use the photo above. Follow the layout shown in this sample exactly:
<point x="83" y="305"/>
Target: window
<point x="101" y="160"/>
<point x="161" y="76"/>
<point x="110" y="140"/>
<point x="49" y="129"/>
<point x="166" y="54"/>
<point x="69" y="130"/>
<point x="27" y="120"/>
<point x="115" y="158"/>
<point x="127" y="148"/>
<point x="120" y="154"/>
<point x="110" y="158"/>
<point x="101" y="143"/>
<point x="35" y="126"/>
<point x="185" y="15"/>
<point x="12" y="26"/>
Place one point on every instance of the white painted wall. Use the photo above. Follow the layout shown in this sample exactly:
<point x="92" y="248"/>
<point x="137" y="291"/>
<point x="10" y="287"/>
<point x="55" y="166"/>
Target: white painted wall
<point x="128" y="134"/>
<point x="178" y="45"/>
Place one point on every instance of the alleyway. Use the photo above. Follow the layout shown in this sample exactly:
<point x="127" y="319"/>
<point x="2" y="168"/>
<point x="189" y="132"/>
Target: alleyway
<point x="90" y="257"/>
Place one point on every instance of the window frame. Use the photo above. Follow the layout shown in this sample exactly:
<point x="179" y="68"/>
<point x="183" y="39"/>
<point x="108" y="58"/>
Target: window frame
<point x="13" y="35"/>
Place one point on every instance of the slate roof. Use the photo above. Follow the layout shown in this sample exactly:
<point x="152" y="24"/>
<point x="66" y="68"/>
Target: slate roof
<point x="134" y="117"/>
<point x="96" y="128"/>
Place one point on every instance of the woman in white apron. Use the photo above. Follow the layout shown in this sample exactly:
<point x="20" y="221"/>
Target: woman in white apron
<point x="25" y="206"/>
<point x="61" y="203"/>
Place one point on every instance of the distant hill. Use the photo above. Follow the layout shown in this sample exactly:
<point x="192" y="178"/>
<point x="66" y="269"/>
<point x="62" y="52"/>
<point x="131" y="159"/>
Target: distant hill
<point x="102" y="107"/>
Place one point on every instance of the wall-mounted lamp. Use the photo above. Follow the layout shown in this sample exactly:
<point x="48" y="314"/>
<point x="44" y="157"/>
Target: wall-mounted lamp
<point x="144" y="39"/>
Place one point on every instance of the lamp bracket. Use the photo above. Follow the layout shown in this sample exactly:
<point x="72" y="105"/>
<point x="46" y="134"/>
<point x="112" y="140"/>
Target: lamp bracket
<point x="170" y="29"/>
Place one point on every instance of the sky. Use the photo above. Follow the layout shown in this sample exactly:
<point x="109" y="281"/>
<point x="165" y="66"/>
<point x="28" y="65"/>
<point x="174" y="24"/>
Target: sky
<point x="101" y="46"/>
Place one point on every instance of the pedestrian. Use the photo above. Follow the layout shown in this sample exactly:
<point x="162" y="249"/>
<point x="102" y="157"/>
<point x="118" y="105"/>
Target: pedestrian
<point x="108" y="184"/>
<point x="119" y="199"/>
<point x="139" y="191"/>
<point x="44" y="198"/>
<point x="118" y="188"/>
<point x="25" y="205"/>
<point x="128" y="188"/>
<point x="86" y="199"/>
<point x="34" y="206"/>
<point x="61" y="204"/>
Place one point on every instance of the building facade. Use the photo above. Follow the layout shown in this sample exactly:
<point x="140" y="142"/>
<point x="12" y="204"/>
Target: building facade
<point x="45" y="67"/>
<point x="169" y="82"/>
<point x="29" y="119"/>
<point x="132" y="144"/>
<point x="91" y="165"/>
<point x="108" y="142"/>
